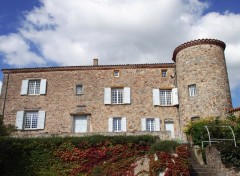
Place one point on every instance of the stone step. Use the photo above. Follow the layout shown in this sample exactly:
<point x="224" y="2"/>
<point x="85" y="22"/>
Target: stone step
<point x="202" y="174"/>
<point x="200" y="170"/>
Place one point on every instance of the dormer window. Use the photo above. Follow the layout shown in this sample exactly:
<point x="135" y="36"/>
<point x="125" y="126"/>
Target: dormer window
<point x="164" y="73"/>
<point x="116" y="73"/>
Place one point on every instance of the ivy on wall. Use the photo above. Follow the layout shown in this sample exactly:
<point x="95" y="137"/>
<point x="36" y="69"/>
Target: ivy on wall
<point x="95" y="155"/>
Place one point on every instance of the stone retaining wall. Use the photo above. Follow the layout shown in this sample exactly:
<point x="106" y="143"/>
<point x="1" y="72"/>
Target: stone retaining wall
<point x="214" y="161"/>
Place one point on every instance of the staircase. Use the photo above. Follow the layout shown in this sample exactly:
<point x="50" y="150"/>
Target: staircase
<point x="198" y="170"/>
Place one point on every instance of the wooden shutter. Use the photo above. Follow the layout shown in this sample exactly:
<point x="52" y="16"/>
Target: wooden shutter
<point x="19" y="120"/>
<point x="126" y="95"/>
<point x="107" y="95"/>
<point x="143" y="122"/>
<point x="24" y="88"/>
<point x="157" y="124"/>
<point x="156" y="97"/>
<point x="110" y="124"/>
<point x="175" y="96"/>
<point x="124" y="124"/>
<point x="43" y="86"/>
<point x="41" y="120"/>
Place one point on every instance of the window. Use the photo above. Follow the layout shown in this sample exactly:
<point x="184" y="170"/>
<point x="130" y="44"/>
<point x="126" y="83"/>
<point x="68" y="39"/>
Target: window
<point x="79" y="89"/>
<point x="30" y="120"/>
<point x="192" y="90"/>
<point x="34" y="87"/>
<point x="165" y="97"/>
<point x="116" y="73"/>
<point x="164" y="73"/>
<point x="149" y="124"/>
<point x="117" y="96"/>
<point x="169" y="126"/>
<point x="117" y="124"/>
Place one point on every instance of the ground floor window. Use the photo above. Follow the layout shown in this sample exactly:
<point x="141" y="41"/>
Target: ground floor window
<point x="31" y="120"/>
<point x="150" y="124"/>
<point x="117" y="124"/>
<point x="169" y="126"/>
<point x="80" y="124"/>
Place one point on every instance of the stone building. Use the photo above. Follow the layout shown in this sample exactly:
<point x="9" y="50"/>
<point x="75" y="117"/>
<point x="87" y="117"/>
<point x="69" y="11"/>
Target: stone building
<point x="119" y="98"/>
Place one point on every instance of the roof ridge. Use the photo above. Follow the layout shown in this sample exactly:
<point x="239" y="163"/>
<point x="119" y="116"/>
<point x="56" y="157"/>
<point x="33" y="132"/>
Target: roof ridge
<point x="87" y="67"/>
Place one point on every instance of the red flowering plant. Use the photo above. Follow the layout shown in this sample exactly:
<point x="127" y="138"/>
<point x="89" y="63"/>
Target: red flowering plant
<point x="172" y="164"/>
<point x="104" y="157"/>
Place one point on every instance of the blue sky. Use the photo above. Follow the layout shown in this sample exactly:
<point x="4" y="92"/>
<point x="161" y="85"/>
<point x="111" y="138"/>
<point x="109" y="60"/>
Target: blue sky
<point x="59" y="32"/>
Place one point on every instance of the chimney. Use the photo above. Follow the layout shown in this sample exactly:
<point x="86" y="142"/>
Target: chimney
<point x="95" y="61"/>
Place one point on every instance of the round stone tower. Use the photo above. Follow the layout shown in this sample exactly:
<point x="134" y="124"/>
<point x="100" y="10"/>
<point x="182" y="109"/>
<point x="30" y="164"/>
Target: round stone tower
<point x="202" y="80"/>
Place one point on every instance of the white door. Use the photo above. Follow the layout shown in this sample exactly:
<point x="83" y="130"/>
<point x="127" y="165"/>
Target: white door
<point x="169" y="126"/>
<point x="80" y="124"/>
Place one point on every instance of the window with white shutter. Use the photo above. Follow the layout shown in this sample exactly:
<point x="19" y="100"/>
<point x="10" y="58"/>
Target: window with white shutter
<point x="117" y="95"/>
<point x="166" y="97"/>
<point x="117" y="124"/>
<point x="34" y="87"/>
<point x="30" y="120"/>
<point x="150" y="124"/>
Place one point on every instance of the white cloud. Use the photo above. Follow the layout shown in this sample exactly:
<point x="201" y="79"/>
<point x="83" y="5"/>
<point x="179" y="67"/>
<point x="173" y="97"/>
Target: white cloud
<point x="73" y="32"/>
<point x="17" y="51"/>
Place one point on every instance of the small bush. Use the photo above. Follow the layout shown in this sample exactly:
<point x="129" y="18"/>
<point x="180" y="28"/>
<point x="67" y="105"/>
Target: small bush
<point x="164" y="146"/>
<point x="6" y="130"/>
<point x="230" y="155"/>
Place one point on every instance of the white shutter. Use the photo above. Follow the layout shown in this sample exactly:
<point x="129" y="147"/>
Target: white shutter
<point x="126" y="95"/>
<point x="107" y="95"/>
<point x="156" y="97"/>
<point x="19" y="120"/>
<point x="124" y="124"/>
<point x="175" y="96"/>
<point x="24" y="88"/>
<point x="41" y="120"/>
<point x="110" y="124"/>
<point x="143" y="121"/>
<point x="43" y="85"/>
<point x="157" y="124"/>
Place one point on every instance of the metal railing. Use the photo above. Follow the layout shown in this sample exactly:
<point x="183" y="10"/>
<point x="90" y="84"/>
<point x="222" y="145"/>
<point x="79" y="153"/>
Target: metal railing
<point x="212" y="140"/>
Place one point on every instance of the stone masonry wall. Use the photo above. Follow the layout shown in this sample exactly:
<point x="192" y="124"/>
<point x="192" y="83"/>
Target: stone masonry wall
<point x="203" y="65"/>
<point x="60" y="100"/>
<point x="214" y="161"/>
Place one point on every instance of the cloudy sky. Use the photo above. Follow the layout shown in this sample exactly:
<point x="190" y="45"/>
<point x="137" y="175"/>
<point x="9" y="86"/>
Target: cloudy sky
<point x="59" y="32"/>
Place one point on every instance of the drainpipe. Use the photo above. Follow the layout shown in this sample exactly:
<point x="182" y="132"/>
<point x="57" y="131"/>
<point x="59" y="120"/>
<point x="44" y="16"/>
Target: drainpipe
<point x="5" y="95"/>
<point x="179" y="119"/>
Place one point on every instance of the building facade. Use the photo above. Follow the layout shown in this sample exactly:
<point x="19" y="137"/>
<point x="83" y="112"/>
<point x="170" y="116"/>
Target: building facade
<point x="119" y="98"/>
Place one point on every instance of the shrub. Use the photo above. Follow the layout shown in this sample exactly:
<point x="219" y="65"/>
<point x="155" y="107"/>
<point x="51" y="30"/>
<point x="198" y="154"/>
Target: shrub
<point x="164" y="146"/>
<point x="198" y="132"/>
<point x="6" y="130"/>
<point x="230" y="155"/>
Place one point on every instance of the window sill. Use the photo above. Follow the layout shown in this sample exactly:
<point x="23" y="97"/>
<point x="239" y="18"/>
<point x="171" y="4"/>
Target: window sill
<point x="33" y="129"/>
<point x="119" y="104"/>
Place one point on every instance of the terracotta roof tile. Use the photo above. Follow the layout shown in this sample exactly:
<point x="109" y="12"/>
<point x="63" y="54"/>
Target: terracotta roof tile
<point x="89" y="67"/>
<point x="197" y="42"/>
<point x="234" y="109"/>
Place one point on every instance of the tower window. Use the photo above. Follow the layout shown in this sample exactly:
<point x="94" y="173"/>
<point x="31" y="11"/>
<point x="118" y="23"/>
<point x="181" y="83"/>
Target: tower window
<point x="192" y="90"/>
<point x="79" y="89"/>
